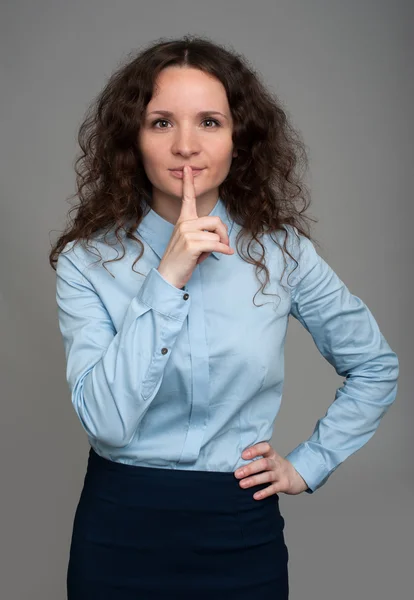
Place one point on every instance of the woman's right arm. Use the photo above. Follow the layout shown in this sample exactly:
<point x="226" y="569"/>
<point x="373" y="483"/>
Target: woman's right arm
<point x="113" y="376"/>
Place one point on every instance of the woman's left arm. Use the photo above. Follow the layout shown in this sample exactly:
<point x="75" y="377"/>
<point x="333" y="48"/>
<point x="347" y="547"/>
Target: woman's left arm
<point x="348" y="336"/>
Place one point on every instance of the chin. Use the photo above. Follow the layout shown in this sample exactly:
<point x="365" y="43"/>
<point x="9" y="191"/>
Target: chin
<point x="178" y="185"/>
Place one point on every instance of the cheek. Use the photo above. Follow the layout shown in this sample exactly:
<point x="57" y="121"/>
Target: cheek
<point x="223" y="164"/>
<point x="222" y="154"/>
<point x="149" y="149"/>
<point x="152" y="162"/>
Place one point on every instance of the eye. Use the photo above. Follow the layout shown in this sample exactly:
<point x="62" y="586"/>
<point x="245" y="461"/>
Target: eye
<point x="212" y="121"/>
<point x="159" y="121"/>
<point x="205" y="121"/>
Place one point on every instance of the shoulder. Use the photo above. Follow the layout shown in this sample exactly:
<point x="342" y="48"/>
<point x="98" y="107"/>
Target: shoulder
<point x="296" y="241"/>
<point x="82" y="254"/>
<point x="303" y="251"/>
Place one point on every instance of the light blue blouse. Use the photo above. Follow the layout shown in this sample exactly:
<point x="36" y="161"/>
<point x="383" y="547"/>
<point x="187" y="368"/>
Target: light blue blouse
<point x="189" y="378"/>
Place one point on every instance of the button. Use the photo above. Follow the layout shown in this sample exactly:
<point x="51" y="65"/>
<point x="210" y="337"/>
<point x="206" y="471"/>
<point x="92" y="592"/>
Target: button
<point x="186" y="296"/>
<point x="164" y="351"/>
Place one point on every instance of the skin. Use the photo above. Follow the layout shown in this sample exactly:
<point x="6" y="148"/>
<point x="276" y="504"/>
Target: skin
<point x="192" y="239"/>
<point x="186" y="138"/>
<point x="190" y="139"/>
<point x="272" y="467"/>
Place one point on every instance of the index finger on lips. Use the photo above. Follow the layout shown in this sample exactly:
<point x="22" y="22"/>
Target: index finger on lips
<point x="188" y="205"/>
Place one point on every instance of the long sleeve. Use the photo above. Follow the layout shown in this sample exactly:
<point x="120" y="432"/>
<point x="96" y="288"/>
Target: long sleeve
<point x="347" y="335"/>
<point x="114" y="375"/>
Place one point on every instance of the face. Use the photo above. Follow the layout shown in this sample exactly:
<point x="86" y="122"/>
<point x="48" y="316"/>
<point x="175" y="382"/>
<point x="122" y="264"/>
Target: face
<point x="186" y="137"/>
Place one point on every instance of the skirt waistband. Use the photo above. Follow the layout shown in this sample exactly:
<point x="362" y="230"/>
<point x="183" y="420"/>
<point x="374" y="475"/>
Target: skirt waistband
<point x="187" y="487"/>
<point x="140" y="471"/>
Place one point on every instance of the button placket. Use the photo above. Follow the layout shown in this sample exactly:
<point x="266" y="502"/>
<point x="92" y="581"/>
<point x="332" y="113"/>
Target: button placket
<point x="198" y="349"/>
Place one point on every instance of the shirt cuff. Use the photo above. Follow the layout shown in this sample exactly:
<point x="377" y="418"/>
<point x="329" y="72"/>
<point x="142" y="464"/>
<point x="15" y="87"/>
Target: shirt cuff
<point x="309" y="466"/>
<point x="160" y="295"/>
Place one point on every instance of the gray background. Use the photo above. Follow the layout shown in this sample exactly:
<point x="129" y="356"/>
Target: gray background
<point x="344" y="72"/>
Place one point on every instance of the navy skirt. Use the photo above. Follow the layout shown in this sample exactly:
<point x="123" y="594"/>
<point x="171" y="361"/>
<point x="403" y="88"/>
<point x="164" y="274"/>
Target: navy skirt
<point x="155" y="533"/>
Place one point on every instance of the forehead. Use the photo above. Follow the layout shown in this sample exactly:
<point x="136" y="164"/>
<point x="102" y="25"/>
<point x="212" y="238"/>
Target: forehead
<point x="189" y="86"/>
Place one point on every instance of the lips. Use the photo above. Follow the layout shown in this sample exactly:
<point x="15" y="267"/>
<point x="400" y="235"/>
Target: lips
<point x="192" y="168"/>
<point x="179" y="172"/>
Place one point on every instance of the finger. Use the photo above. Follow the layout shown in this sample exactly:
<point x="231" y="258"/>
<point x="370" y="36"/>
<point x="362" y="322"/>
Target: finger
<point x="188" y="205"/>
<point x="263" y="477"/>
<point x="270" y="490"/>
<point x="255" y="450"/>
<point x="207" y="242"/>
<point x="254" y="467"/>
<point x="219" y="228"/>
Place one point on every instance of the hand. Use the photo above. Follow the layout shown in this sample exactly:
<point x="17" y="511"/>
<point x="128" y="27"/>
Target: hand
<point x="272" y="467"/>
<point x="190" y="244"/>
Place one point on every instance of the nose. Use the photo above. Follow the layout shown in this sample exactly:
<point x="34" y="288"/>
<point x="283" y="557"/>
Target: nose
<point x="186" y="142"/>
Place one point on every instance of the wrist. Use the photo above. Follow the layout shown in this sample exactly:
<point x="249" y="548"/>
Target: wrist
<point x="167" y="277"/>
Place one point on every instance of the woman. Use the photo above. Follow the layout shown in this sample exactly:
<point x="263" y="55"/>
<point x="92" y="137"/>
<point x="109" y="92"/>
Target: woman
<point x="175" y="373"/>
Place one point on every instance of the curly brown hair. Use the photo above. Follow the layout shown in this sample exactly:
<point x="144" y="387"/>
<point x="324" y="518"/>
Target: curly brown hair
<point x="262" y="190"/>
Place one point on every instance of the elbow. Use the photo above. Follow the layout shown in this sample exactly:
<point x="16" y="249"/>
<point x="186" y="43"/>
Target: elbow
<point x="390" y="376"/>
<point x="113" y="440"/>
<point x="101" y="422"/>
<point x="384" y="367"/>
<point x="106" y="433"/>
<point x="394" y="367"/>
<point x="116" y="437"/>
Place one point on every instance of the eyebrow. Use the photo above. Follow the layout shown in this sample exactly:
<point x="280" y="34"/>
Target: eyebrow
<point x="202" y="113"/>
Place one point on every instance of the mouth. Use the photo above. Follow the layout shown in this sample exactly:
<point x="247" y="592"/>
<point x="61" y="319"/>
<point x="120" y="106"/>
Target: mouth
<point x="179" y="172"/>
